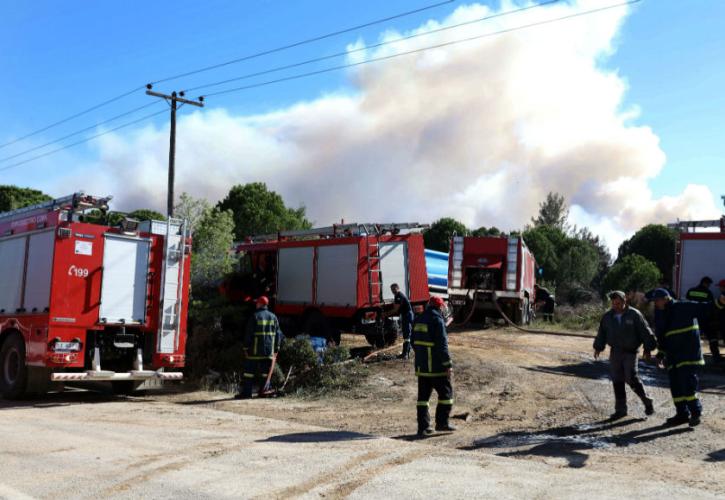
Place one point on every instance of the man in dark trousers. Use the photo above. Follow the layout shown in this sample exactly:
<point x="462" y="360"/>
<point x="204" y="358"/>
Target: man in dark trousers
<point x="720" y="315"/>
<point x="433" y="367"/>
<point x="544" y="299"/>
<point x="708" y="321"/>
<point x="403" y="308"/>
<point x="261" y="344"/>
<point x="678" y="342"/>
<point x="624" y="330"/>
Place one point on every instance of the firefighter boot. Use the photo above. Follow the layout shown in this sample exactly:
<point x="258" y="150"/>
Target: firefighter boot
<point x="406" y="350"/>
<point x="424" y="428"/>
<point x="620" y="401"/>
<point x="443" y="412"/>
<point x="715" y="351"/>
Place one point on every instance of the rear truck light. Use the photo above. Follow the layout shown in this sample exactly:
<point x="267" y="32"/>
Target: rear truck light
<point x="61" y="358"/>
<point x="174" y="358"/>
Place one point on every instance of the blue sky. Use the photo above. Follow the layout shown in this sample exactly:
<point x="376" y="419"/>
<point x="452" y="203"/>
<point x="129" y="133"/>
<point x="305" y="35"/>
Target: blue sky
<point x="60" y="57"/>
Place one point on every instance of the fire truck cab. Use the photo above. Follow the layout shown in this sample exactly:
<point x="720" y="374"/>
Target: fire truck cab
<point x="85" y="302"/>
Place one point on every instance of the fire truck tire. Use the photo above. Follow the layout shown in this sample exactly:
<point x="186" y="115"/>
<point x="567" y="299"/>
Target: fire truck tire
<point x="13" y="370"/>
<point x="125" y="387"/>
<point x="377" y="341"/>
<point x="317" y="325"/>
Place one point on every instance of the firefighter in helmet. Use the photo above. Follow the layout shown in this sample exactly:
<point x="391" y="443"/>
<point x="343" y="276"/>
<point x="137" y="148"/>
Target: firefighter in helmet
<point x="702" y="294"/>
<point x="403" y="308"/>
<point x="433" y="367"/>
<point x="679" y="350"/>
<point x="261" y="344"/>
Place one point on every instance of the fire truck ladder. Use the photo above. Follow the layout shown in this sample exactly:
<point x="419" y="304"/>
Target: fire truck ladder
<point x="172" y="280"/>
<point x="340" y="230"/>
<point x="372" y="255"/>
<point x="75" y="201"/>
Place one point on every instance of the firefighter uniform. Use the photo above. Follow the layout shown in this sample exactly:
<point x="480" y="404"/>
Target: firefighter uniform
<point x="261" y="342"/>
<point x="406" y="321"/>
<point x="708" y="320"/>
<point x="432" y="364"/>
<point x="543" y="296"/>
<point x="624" y="334"/>
<point x="678" y="339"/>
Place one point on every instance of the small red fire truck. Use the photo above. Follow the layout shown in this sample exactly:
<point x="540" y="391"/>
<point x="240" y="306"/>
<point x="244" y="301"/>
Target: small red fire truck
<point x="327" y="280"/>
<point x="484" y="272"/>
<point x="87" y="302"/>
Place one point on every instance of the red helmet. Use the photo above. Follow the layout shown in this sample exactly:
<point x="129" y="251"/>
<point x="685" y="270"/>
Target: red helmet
<point x="262" y="301"/>
<point x="436" y="301"/>
<point x="721" y="283"/>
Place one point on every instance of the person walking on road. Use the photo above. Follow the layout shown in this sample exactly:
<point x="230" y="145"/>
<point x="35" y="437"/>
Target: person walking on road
<point x="624" y="330"/>
<point x="433" y="367"/>
<point x="679" y="351"/>
<point x="403" y="308"/>
<point x="261" y="345"/>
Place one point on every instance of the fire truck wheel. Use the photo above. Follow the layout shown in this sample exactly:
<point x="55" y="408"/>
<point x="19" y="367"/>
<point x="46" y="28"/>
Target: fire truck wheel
<point x="13" y="371"/>
<point x="316" y="325"/>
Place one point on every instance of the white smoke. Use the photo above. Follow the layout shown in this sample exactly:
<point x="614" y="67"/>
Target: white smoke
<point x="480" y="131"/>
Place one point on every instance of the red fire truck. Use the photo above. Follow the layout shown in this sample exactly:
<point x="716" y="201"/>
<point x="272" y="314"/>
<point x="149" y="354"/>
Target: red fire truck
<point x="698" y="254"/>
<point x="327" y="280"/>
<point x="482" y="270"/>
<point x="86" y="302"/>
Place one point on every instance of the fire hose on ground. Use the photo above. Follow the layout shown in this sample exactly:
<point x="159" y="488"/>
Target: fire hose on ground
<point x="514" y="325"/>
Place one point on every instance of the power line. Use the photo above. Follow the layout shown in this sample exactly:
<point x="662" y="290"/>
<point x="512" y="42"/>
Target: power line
<point x="226" y="63"/>
<point x="303" y="42"/>
<point x="416" y="51"/>
<point x="369" y="47"/>
<point x="77" y="132"/>
<point x="64" y="120"/>
<point x="87" y="139"/>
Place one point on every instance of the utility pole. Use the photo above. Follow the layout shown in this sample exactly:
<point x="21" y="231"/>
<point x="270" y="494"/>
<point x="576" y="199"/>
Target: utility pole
<point x="173" y="101"/>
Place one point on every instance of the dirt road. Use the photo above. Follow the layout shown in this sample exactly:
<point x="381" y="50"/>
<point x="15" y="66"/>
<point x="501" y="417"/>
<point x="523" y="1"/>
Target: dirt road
<point x="536" y="408"/>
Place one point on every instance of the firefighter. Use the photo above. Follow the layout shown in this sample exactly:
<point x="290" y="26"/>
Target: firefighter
<point x="679" y="350"/>
<point x="261" y="344"/>
<point x="544" y="298"/>
<point x="433" y="367"/>
<point x="624" y="329"/>
<point x="720" y="315"/>
<point x="403" y="308"/>
<point x="702" y="294"/>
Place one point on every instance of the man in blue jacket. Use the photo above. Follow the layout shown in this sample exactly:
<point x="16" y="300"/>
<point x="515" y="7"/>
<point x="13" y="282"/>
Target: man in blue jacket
<point x="433" y="367"/>
<point x="261" y="344"/>
<point x="624" y="330"/>
<point x="679" y="350"/>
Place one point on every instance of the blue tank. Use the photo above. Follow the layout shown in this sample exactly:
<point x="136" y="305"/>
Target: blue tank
<point x="437" y="265"/>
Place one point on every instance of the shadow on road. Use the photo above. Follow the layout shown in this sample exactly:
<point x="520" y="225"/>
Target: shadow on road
<point x="317" y="437"/>
<point x="68" y="398"/>
<point x="716" y="456"/>
<point x="572" y="441"/>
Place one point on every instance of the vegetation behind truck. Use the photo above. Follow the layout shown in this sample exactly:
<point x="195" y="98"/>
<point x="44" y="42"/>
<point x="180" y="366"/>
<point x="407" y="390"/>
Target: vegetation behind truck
<point x="84" y="302"/>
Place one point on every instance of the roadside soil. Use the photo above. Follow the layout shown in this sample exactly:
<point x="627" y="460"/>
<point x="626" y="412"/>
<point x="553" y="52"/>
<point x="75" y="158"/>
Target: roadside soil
<point x="531" y="397"/>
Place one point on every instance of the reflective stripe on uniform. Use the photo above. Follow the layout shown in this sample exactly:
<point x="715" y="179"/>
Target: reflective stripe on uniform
<point x="249" y="375"/>
<point x="424" y="343"/>
<point x="423" y="403"/>
<point x="259" y="358"/>
<point x="682" y="399"/>
<point x="445" y="402"/>
<point x="700" y="362"/>
<point x="265" y="334"/>
<point x="693" y="293"/>
<point x="681" y="330"/>
<point x="419" y="373"/>
<point x="420" y="327"/>
<point x="265" y="322"/>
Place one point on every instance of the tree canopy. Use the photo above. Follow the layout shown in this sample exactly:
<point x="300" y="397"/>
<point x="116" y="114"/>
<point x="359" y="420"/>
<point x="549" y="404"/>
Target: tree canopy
<point x="438" y="235"/>
<point x="146" y="214"/>
<point x="654" y="242"/>
<point x="257" y="210"/>
<point x="632" y="272"/>
<point x="553" y="212"/>
<point x="212" y="258"/>
<point x="13" y="197"/>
